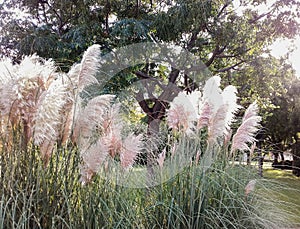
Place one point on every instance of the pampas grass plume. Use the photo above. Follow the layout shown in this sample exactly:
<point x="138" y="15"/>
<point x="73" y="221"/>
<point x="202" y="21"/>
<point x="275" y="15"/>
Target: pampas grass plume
<point x="161" y="159"/>
<point x="83" y="74"/>
<point x="49" y="110"/>
<point x="183" y="111"/>
<point x="132" y="146"/>
<point x="93" y="157"/>
<point x="245" y="133"/>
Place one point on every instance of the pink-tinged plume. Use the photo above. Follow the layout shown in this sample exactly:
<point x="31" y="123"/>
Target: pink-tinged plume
<point x="178" y="118"/>
<point x="183" y="111"/>
<point x="213" y="110"/>
<point x="83" y="74"/>
<point x="132" y="146"/>
<point x="250" y="187"/>
<point x="217" y="124"/>
<point x="245" y="133"/>
<point x="113" y="140"/>
<point x="161" y="159"/>
<point x="89" y="120"/>
<point x="205" y="115"/>
<point x="93" y="157"/>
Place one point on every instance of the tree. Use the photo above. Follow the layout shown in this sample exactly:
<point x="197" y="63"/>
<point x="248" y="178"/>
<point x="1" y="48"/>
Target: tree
<point x="225" y="40"/>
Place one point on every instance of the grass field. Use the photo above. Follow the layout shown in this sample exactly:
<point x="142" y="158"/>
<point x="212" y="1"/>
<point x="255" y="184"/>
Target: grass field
<point x="288" y="193"/>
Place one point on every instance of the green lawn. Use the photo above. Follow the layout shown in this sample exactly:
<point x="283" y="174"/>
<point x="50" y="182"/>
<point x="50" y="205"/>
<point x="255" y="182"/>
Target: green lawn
<point x="289" y="192"/>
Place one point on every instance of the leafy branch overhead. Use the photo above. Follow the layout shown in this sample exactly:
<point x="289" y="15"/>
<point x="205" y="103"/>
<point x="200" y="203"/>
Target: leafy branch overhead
<point x="232" y="39"/>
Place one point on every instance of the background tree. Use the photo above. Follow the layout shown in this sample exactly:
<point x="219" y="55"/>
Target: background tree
<point x="231" y="43"/>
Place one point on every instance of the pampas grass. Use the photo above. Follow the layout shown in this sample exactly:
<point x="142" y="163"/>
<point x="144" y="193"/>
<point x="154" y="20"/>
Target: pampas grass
<point x="187" y="194"/>
<point x="83" y="74"/>
<point x="34" y="197"/>
<point x="50" y="105"/>
<point x="101" y="123"/>
<point x="214" y="109"/>
<point x="131" y="147"/>
<point x="246" y="132"/>
<point x="23" y="86"/>
<point x="183" y="111"/>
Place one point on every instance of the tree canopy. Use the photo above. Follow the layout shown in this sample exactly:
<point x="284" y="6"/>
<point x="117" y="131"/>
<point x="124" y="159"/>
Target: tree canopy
<point x="231" y="39"/>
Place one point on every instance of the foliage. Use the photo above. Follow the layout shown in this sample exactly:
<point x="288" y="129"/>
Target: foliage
<point x="229" y="38"/>
<point x="273" y="84"/>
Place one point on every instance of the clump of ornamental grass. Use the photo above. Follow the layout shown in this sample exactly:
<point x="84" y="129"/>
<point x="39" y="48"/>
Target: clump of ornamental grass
<point x="209" y="115"/>
<point x="195" y="182"/>
<point x="33" y="96"/>
<point x="34" y="197"/>
<point x="48" y="108"/>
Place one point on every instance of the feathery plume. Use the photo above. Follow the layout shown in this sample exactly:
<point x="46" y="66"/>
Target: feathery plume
<point x="205" y="116"/>
<point x="245" y="133"/>
<point x="35" y="68"/>
<point x="23" y="88"/>
<point x="250" y="187"/>
<point x="47" y="120"/>
<point x="93" y="158"/>
<point x="112" y="120"/>
<point x="212" y="93"/>
<point x="84" y="73"/>
<point x="73" y="75"/>
<point x="132" y="146"/>
<point x="161" y="159"/>
<point x="7" y="75"/>
<point x="6" y="70"/>
<point x="194" y="100"/>
<point x="183" y="111"/>
<point x="90" y="119"/>
<point x="218" y="110"/>
<point x="217" y="124"/>
<point x="230" y="99"/>
<point x="68" y="113"/>
<point x="113" y="140"/>
<point x="178" y="118"/>
<point x="67" y="122"/>
<point x="251" y="111"/>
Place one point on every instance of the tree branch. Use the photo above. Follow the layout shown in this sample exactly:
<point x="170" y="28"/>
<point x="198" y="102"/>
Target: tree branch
<point x="173" y="75"/>
<point x="216" y="52"/>
<point x="230" y="67"/>
<point x="222" y="10"/>
<point x="142" y="102"/>
<point x="255" y="19"/>
<point x="143" y="75"/>
<point x="192" y="41"/>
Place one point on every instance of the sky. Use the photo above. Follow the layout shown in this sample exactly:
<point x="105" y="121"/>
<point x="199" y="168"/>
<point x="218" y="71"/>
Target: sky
<point x="281" y="48"/>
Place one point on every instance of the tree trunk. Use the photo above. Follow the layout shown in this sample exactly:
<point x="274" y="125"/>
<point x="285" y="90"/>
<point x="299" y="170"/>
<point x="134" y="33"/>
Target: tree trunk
<point x="260" y="159"/>
<point x="152" y="149"/>
<point x="248" y="158"/>
<point x="260" y="163"/>
<point x="296" y="157"/>
<point x="276" y="156"/>
<point x="282" y="155"/>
